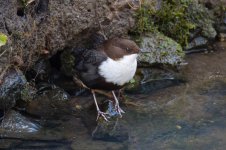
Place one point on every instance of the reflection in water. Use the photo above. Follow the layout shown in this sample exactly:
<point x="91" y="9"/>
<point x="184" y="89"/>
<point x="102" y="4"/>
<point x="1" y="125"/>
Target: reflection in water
<point x="188" y="116"/>
<point x="20" y="143"/>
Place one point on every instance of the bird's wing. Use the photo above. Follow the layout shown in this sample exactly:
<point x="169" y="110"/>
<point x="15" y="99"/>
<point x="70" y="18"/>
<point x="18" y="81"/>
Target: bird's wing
<point x="87" y="64"/>
<point x="89" y="58"/>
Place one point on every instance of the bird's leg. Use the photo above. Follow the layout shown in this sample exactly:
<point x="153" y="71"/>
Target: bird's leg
<point x="99" y="113"/>
<point x="79" y="82"/>
<point x="103" y="93"/>
<point x="117" y="107"/>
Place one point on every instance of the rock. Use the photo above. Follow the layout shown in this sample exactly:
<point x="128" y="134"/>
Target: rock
<point x="43" y="27"/>
<point x="221" y="28"/>
<point x="134" y="84"/>
<point x="220" y="25"/>
<point x="222" y="37"/>
<point x="67" y="63"/>
<point x="212" y="3"/>
<point x="209" y="31"/>
<point x="40" y="71"/>
<point x="15" y="122"/>
<point x="11" y="88"/>
<point x="152" y="79"/>
<point x="50" y="102"/>
<point x="224" y="21"/>
<point x="67" y="84"/>
<point x="197" y="43"/>
<point x="159" y="49"/>
<point x="203" y="18"/>
<point x="114" y="131"/>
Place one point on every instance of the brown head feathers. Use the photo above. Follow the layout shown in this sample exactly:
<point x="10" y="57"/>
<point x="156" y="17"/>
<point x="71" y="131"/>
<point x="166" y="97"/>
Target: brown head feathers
<point x="116" y="48"/>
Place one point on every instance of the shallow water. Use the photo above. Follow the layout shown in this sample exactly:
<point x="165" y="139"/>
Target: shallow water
<point x="190" y="115"/>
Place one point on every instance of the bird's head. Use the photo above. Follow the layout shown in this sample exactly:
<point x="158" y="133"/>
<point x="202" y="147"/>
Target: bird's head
<point x="117" y="48"/>
<point x="128" y="46"/>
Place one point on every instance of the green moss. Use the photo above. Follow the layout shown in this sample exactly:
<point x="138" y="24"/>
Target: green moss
<point x="144" y="23"/>
<point x="163" y="54"/>
<point x="219" y="11"/>
<point x="24" y="3"/>
<point x="27" y="93"/>
<point x="3" y="39"/>
<point x="159" y="48"/>
<point x="179" y="51"/>
<point x="202" y="18"/>
<point x="175" y="18"/>
<point x="134" y="82"/>
<point x="67" y="61"/>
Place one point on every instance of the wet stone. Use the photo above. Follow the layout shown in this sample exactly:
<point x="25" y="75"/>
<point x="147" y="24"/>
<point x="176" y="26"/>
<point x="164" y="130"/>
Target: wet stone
<point x="17" y="123"/>
<point x="10" y="88"/>
<point x="52" y="103"/>
<point x="222" y="37"/>
<point x="221" y="28"/>
<point x="198" y="42"/>
<point x="224" y="21"/>
<point x="152" y="79"/>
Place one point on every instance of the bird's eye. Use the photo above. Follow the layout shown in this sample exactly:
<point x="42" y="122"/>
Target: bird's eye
<point x="127" y="49"/>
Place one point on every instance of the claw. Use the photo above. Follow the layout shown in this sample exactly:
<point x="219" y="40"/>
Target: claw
<point x="103" y="114"/>
<point x="117" y="107"/>
<point x="119" y="110"/>
<point x="99" y="113"/>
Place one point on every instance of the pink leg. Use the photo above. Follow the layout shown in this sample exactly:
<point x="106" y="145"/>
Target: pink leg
<point x="117" y="107"/>
<point x="99" y="113"/>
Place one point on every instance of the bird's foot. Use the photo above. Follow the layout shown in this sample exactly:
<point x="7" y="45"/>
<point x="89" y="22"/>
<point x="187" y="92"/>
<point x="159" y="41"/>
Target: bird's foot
<point x="119" y="110"/>
<point x="102" y="114"/>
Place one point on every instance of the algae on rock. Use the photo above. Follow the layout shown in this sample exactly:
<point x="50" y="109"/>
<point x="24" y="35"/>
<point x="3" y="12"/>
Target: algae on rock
<point x="157" y="48"/>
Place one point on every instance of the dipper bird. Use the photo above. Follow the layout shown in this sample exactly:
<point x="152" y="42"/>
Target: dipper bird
<point x="108" y="66"/>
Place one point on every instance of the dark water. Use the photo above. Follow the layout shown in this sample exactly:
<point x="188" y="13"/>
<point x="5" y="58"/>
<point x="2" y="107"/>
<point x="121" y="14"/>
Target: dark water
<point x="190" y="115"/>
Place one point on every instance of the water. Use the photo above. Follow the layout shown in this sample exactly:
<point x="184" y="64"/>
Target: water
<point x="190" y="115"/>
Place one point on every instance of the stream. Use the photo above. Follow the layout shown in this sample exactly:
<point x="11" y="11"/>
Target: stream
<point x="181" y="115"/>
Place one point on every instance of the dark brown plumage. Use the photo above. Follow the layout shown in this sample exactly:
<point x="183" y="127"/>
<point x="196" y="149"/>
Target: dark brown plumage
<point x="107" y="66"/>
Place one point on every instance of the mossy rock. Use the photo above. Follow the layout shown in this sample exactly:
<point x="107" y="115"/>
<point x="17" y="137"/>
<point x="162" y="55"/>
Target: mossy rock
<point x="176" y="19"/>
<point x="203" y="18"/>
<point x="159" y="49"/>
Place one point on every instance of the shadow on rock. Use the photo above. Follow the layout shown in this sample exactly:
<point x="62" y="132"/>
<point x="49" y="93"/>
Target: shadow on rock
<point x="14" y="90"/>
<point x="152" y="79"/>
<point x="50" y="103"/>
